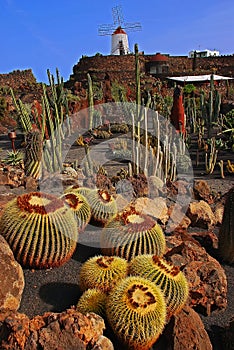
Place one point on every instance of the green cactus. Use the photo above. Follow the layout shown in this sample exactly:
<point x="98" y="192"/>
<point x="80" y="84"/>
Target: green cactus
<point x="40" y="229"/>
<point x="103" y="206"/>
<point x="136" y="312"/>
<point x="226" y="232"/>
<point x="80" y="207"/>
<point x="131" y="233"/>
<point x="84" y="191"/>
<point x="102" y="272"/>
<point x="90" y="100"/>
<point x="166" y="276"/>
<point x="92" y="300"/>
<point x="33" y="153"/>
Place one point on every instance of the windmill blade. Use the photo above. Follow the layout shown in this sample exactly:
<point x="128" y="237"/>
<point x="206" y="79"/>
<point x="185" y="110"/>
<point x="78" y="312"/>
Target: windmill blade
<point x="132" y="26"/>
<point x="106" y="29"/>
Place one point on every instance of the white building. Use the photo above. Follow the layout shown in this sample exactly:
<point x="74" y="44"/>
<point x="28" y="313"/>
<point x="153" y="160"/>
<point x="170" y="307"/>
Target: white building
<point x="204" y="53"/>
<point x="119" y="42"/>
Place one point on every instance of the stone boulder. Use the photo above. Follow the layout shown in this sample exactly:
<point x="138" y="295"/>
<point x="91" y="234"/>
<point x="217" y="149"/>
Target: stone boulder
<point x="66" y="330"/>
<point x="202" y="191"/>
<point x="206" y="277"/>
<point x="201" y="214"/>
<point x="185" y="331"/>
<point x="11" y="278"/>
<point x="156" y="208"/>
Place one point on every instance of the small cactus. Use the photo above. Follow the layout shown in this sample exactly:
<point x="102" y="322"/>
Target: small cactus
<point x="40" y="229"/>
<point x="80" y="207"/>
<point x="131" y="233"/>
<point x="102" y="272"/>
<point x="103" y="206"/>
<point x="168" y="277"/>
<point x="226" y="232"/>
<point x="92" y="300"/>
<point x="136" y="312"/>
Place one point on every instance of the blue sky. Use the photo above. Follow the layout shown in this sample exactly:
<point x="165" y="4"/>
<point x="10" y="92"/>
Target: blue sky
<point x="47" y="34"/>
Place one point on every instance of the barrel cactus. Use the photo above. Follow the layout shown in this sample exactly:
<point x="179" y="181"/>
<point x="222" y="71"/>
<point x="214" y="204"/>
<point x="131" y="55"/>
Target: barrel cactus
<point x="33" y="153"/>
<point x="80" y="207"/>
<point x="132" y="233"/>
<point x="40" y="229"/>
<point x="226" y="232"/>
<point x="136" y="312"/>
<point x="168" y="277"/>
<point x="103" y="206"/>
<point x="92" y="300"/>
<point x="102" y="272"/>
<point x="78" y="189"/>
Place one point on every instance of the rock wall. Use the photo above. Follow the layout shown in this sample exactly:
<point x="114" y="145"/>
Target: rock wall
<point x="18" y="80"/>
<point x="122" y="68"/>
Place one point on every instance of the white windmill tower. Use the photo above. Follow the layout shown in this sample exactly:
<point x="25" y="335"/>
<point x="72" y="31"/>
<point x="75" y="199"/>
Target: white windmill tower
<point x="119" y="37"/>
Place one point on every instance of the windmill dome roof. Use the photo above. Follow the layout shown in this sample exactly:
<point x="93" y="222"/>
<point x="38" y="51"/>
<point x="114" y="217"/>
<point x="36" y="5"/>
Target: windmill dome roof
<point x="159" y="58"/>
<point x="119" y="30"/>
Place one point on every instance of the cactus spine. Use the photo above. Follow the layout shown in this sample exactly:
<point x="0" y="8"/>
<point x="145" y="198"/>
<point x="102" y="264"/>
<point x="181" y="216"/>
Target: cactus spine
<point x="40" y="229"/>
<point x="102" y="272"/>
<point x="131" y="233"/>
<point x="136" y="311"/>
<point x="168" y="277"/>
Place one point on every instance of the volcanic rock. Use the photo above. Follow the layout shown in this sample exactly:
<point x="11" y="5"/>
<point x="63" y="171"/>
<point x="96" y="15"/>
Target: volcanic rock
<point x="11" y="278"/>
<point x="66" y="330"/>
<point x="206" y="277"/>
<point x="201" y="214"/>
<point x="184" y="331"/>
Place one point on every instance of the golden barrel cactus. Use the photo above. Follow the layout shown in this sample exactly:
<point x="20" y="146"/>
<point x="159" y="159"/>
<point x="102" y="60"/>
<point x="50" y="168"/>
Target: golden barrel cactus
<point x="102" y="272"/>
<point x="80" y="207"/>
<point x="136" y="312"/>
<point x="131" y="233"/>
<point x="92" y="300"/>
<point x="103" y="206"/>
<point x="40" y="229"/>
<point x="168" y="277"/>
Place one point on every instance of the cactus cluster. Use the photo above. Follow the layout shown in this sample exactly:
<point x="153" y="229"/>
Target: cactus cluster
<point x="40" y="229"/>
<point x="168" y="277"/>
<point x="102" y="272"/>
<point x="131" y="233"/>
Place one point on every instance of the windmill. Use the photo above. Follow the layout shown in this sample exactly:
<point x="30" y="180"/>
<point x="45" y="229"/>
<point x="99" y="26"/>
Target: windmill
<point x="119" y="38"/>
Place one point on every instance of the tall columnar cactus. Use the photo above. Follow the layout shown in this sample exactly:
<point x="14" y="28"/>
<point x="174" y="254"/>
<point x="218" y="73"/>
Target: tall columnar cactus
<point x="102" y="272"/>
<point x="79" y="205"/>
<point x="168" y="277"/>
<point x="40" y="229"/>
<point x="136" y="311"/>
<point x="51" y="121"/>
<point x="90" y="101"/>
<point x="131" y="233"/>
<point x="226" y="232"/>
<point x="33" y="153"/>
